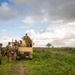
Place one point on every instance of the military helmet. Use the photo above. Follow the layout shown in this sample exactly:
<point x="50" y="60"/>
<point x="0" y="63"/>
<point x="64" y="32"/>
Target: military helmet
<point x="0" y="43"/>
<point x="26" y="34"/>
<point x="9" y="43"/>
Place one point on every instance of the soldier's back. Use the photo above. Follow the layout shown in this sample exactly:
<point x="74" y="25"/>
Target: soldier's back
<point x="8" y="48"/>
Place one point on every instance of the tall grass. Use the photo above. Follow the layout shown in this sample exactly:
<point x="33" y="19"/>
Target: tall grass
<point x="56" y="61"/>
<point x="51" y="62"/>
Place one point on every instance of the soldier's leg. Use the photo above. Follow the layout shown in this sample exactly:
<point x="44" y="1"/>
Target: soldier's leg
<point x="15" y="55"/>
<point x="10" y="58"/>
<point x="7" y="58"/>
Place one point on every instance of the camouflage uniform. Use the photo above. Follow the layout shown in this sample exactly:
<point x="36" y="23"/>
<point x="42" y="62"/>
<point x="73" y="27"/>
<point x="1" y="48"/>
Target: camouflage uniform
<point x="20" y="44"/>
<point x="8" y="50"/>
<point x="0" y="53"/>
<point x="27" y="40"/>
<point x="16" y="44"/>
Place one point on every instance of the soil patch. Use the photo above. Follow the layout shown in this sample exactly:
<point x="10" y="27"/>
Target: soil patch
<point x="20" y="68"/>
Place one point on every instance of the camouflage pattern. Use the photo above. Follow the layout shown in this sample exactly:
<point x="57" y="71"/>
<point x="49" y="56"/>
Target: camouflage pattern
<point x="9" y="51"/>
<point x="27" y="40"/>
<point x="20" y="44"/>
<point x="16" y="45"/>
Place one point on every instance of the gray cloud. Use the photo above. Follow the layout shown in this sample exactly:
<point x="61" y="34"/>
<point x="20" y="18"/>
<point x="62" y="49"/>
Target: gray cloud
<point x="7" y="12"/>
<point x="51" y="9"/>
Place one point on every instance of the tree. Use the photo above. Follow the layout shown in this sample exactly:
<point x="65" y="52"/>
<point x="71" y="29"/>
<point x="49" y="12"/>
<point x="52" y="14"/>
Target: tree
<point x="49" y="45"/>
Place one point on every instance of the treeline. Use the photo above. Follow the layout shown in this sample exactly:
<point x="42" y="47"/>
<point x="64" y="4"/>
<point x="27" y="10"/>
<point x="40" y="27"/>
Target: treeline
<point x="69" y="49"/>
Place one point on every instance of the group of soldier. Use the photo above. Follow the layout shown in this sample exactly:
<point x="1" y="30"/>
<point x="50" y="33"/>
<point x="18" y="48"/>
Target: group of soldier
<point x="11" y="52"/>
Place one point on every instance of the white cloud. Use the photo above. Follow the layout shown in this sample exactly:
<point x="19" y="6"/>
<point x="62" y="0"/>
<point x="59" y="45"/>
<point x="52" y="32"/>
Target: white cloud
<point x="4" y="31"/>
<point x="58" y="12"/>
<point x="62" y="35"/>
<point x="24" y="26"/>
<point x="32" y="34"/>
<point x="16" y="38"/>
<point x="65" y="34"/>
<point x="30" y="20"/>
<point x="5" y="40"/>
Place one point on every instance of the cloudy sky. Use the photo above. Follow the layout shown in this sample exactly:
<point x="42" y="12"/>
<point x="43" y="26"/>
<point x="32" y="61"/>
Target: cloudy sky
<point x="45" y="21"/>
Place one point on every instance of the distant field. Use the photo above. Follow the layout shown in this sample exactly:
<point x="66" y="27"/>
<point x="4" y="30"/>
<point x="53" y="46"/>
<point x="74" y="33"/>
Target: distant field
<point x="45" y="62"/>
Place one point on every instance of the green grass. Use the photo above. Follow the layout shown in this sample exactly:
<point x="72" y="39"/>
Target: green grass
<point x="45" y="62"/>
<point x="50" y="62"/>
<point x="7" y="68"/>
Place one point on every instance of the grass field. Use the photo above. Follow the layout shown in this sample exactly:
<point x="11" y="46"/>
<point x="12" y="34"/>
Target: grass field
<point x="45" y="62"/>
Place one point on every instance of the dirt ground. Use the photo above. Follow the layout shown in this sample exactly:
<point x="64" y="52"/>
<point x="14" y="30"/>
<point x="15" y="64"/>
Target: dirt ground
<point x="20" y="68"/>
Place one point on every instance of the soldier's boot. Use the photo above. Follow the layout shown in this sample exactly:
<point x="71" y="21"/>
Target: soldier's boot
<point x="0" y="61"/>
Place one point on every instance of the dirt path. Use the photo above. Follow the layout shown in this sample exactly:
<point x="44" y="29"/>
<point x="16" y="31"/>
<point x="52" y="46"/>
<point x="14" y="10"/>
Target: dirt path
<point x="20" y="68"/>
<point x="17" y="68"/>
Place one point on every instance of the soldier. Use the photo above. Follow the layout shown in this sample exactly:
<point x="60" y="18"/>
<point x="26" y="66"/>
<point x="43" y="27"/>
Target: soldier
<point x="27" y="40"/>
<point x="20" y="43"/>
<point x="0" y="52"/>
<point x="8" y="50"/>
<point x="16" y="44"/>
